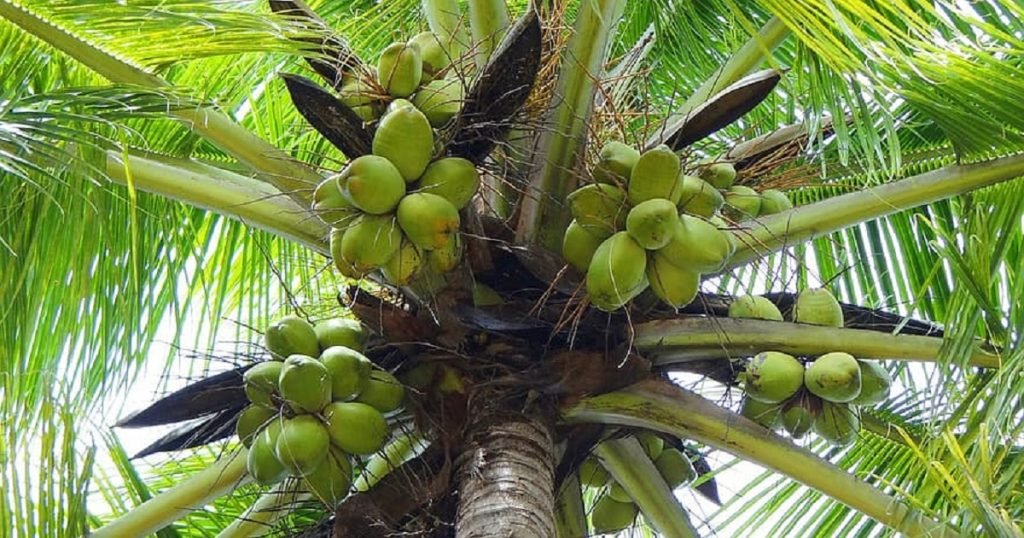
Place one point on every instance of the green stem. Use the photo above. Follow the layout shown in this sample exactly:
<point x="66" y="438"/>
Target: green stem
<point x="699" y="338"/>
<point x="762" y="236"/>
<point x="445" y="19"/>
<point x="751" y="55"/>
<point x="626" y="460"/>
<point x="220" y="478"/>
<point x="488" y="21"/>
<point x="251" y="201"/>
<point x="661" y="406"/>
<point x="265" y="512"/>
<point x="396" y="453"/>
<point x="544" y="215"/>
<point x="274" y="166"/>
<point x="570" y="515"/>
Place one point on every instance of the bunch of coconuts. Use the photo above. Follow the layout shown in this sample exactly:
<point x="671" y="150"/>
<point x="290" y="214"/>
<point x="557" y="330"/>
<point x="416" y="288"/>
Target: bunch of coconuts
<point x="739" y="202"/>
<point x="615" y="510"/>
<point x="316" y="405"/>
<point x="781" y="393"/>
<point x="397" y="209"/>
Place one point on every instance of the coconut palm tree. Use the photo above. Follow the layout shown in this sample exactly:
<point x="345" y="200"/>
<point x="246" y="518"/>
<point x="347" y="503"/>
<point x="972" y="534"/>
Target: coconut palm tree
<point x="159" y="161"/>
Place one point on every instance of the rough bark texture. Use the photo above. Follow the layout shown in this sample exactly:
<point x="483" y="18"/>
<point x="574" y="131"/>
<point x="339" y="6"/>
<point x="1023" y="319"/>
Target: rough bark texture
<point x="505" y="478"/>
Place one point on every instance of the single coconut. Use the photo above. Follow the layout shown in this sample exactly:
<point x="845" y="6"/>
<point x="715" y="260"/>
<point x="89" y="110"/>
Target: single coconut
<point x="349" y="371"/>
<point x="599" y="208"/>
<point x="400" y="69"/>
<point x="260" y="382"/>
<point x="834" y="377"/>
<point x="290" y="335"/>
<point x="742" y="202"/>
<point x="754" y="307"/>
<point x="699" y="197"/>
<point x="765" y="414"/>
<point x="261" y="462"/>
<point x="331" y="481"/>
<point x="653" y="223"/>
<point x="302" y="444"/>
<point x="875" y="383"/>
<point x="592" y="473"/>
<point x="428" y="220"/>
<point x="405" y="138"/>
<point x="453" y="178"/>
<point x="615" y="163"/>
<point x="774" y="201"/>
<point x="655" y="175"/>
<point x="340" y="332"/>
<point x="372" y="184"/>
<point x="251" y="421"/>
<point x="675" y="468"/>
<point x="356" y="428"/>
<point x="610" y="516"/>
<point x="404" y="266"/>
<point x="369" y="243"/>
<point x="837" y="423"/>
<point x="440" y="100"/>
<point x="818" y="307"/>
<point x="773" y="377"/>
<point x="674" y="285"/>
<point x="799" y="413"/>
<point x="305" y="384"/>
<point x="383" y="392"/>
<point x="699" y="246"/>
<point x="721" y="175"/>
<point x="617" y="272"/>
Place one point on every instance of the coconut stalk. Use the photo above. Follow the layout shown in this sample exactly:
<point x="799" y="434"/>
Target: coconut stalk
<point x="265" y="512"/>
<point x="273" y="165"/>
<point x="762" y="236"/>
<point x="661" y="406"/>
<point x="220" y="478"/>
<point x="488" y="21"/>
<point x="243" y="198"/>
<point x="543" y="214"/>
<point x="673" y="341"/>
<point x="505" y="477"/>
<point x="626" y="460"/>
<point x="570" y="514"/>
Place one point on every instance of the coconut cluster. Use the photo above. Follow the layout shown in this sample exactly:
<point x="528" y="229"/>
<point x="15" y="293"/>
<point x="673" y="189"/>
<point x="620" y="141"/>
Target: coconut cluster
<point x="614" y="509"/>
<point x="645" y="223"/>
<point x="739" y="202"/>
<point x="397" y="209"/>
<point x="316" y="405"/>
<point x="783" y="393"/>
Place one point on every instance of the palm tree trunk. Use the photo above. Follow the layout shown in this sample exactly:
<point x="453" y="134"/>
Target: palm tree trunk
<point x="505" y="477"/>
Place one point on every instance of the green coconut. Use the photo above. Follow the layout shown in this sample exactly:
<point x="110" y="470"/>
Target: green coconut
<point x="251" y="421"/>
<point x="615" y="163"/>
<point x="592" y="473"/>
<point x="617" y="492"/>
<point x="305" y="384"/>
<point x="261" y="462"/>
<point x="799" y="413"/>
<point x="834" y="377"/>
<point x="349" y="371"/>
<point x="675" y="468"/>
<point x="400" y="69"/>
<point x="331" y="481"/>
<point x="356" y="428"/>
<point x="610" y="516"/>
<point x="383" y="392"/>
<point x="655" y="175"/>
<point x="290" y="335"/>
<point x="428" y="220"/>
<point x="754" y="307"/>
<point x="405" y="138"/>
<point x="699" y="246"/>
<point x="773" y="377"/>
<point x="440" y="100"/>
<point x="340" y="332"/>
<point x="721" y="175"/>
<point x="260" y="382"/>
<point x="579" y="246"/>
<point x="302" y="444"/>
<point x="432" y="53"/>
<point x="699" y="197"/>
<point x="446" y="257"/>
<point x="766" y="414"/>
<point x="453" y="178"/>
<point x="345" y="267"/>
<point x="837" y="423"/>
<point x="674" y="285"/>
<point x="774" y="201"/>
<point x="372" y="184"/>
<point x="742" y="202"/>
<point x="330" y="204"/>
<point x="653" y="223"/>
<point x="651" y="443"/>
<point x="361" y="98"/>
<point x="370" y="242"/>
<point x="617" y="272"/>
<point x="599" y="208"/>
<point x="818" y="307"/>
<point x="404" y="266"/>
<point x="875" y="383"/>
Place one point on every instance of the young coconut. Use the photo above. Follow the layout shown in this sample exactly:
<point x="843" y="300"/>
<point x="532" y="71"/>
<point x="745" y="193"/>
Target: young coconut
<point x="447" y="256"/>
<point x="260" y="382"/>
<point x="579" y="246"/>
<point x="372" y="184"/>
<point x="331" y="481"/>
<point x="440" y="100"/>
<point x="592" y="474"/>
<point x="432" y="53"/>
<point x="699" y="246"/>
<point x="453" y="178"/>
<point x="349" y="371"/>
<point x="674" y="285"/>
<point x="834" y="377"/>
<point x="754" y="307"/>
<point x="610" y="516"/>
<point x="721" y="175"/>
<point x="340" y="332"/>
<point x="651" y="443"/>
<point x="675" y="468"/>
<point x="262" y="463"/>
<point x="400" y="69"/>
<point x="345" y="267"/>
<point x="361" y="98"/>
<point x="818" y="307"/>
<point x="599" y="208"/>
<point x="774" y="201"/>
<point x="305" y="384"/>
<point x="356" y="428"/>
<point x="617" y="492"/>
<point x="655" y="175"/>
<point x="404" y="266"/>
<point x="837" y="423"/>
<point x="428" y="220"/>
<point x="330" y="204"/>
<point x="875" y="383"/>
<point x="290" y="335"/>
<point x="383" y="392"/>
<point x="773" y="377"/>
<point x="302" y="444"/>
<point x="742" y="202"/>
<point x="617" y="272"/>
<point x="765" y="414"/>
<point x="652" y="224"/>
<point x="699" y="197"/>
<point x="615" y="163"/>
<point x="405" y="138"/>
<point x="799" y="413"/>
<point x="369" y="243"/>
<point x="251" y="421"/>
